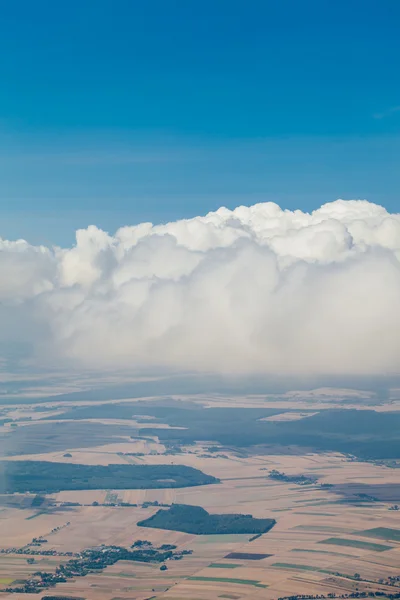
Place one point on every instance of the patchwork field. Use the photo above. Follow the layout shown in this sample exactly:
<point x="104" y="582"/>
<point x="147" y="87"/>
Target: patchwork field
<point x="339" y="535"/>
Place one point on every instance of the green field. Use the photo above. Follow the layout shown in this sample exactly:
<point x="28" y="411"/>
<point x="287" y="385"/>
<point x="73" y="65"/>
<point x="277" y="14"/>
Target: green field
<point x="229" y="580"/>
<point x="321" y="552"/>
<point x="223" y="566"/>
<point x="382" y="533"/>
<point x="6" y="580"/>
<point x="293" y="566"/>
<point x="322" y="528"/>
<point x="315" y="514"/>
<point x="356" y="544"/>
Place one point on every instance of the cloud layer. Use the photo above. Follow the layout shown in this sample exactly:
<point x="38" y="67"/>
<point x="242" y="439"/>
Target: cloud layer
<point x="257" y="289"/>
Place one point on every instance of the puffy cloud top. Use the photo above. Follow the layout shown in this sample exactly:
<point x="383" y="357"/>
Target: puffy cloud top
<point x="257" y="289"/>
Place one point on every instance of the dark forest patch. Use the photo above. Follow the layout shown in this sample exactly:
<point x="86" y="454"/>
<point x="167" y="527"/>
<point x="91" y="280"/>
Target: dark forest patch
<point x="196" y="520"/>
<point x="51" y="477"/>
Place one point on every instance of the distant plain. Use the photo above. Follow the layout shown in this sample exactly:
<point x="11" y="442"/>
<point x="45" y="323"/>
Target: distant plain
<point x="325" y="532"/>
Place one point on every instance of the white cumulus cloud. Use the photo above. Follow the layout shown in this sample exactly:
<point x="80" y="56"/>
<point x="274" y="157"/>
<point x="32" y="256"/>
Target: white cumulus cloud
<point x="253" y="290"/>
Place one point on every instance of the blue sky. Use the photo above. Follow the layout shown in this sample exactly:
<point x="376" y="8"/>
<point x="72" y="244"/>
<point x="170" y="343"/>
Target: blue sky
<point x="118" y="112"/>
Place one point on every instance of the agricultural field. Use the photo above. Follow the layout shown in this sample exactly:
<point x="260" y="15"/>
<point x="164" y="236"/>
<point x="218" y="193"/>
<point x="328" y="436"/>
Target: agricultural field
<point x="339" y="534"/>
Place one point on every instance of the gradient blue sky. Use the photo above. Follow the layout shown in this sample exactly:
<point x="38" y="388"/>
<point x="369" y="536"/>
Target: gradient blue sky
<point x="118" y="112"/>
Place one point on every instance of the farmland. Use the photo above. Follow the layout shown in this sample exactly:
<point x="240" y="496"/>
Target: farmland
<point x="339" y="533"/>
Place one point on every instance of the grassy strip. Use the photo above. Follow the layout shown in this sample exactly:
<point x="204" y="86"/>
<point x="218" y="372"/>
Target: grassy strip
<point x="382" y="533"/>
<point x="315" y="514"/>
<point x="229" y="580"/>
<point x="223" y="566"/>
<point x="293" y="566"/>
<point x="330" y="528"/>
<point x="322" y="552"/>
<point x="356" y="544"/>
